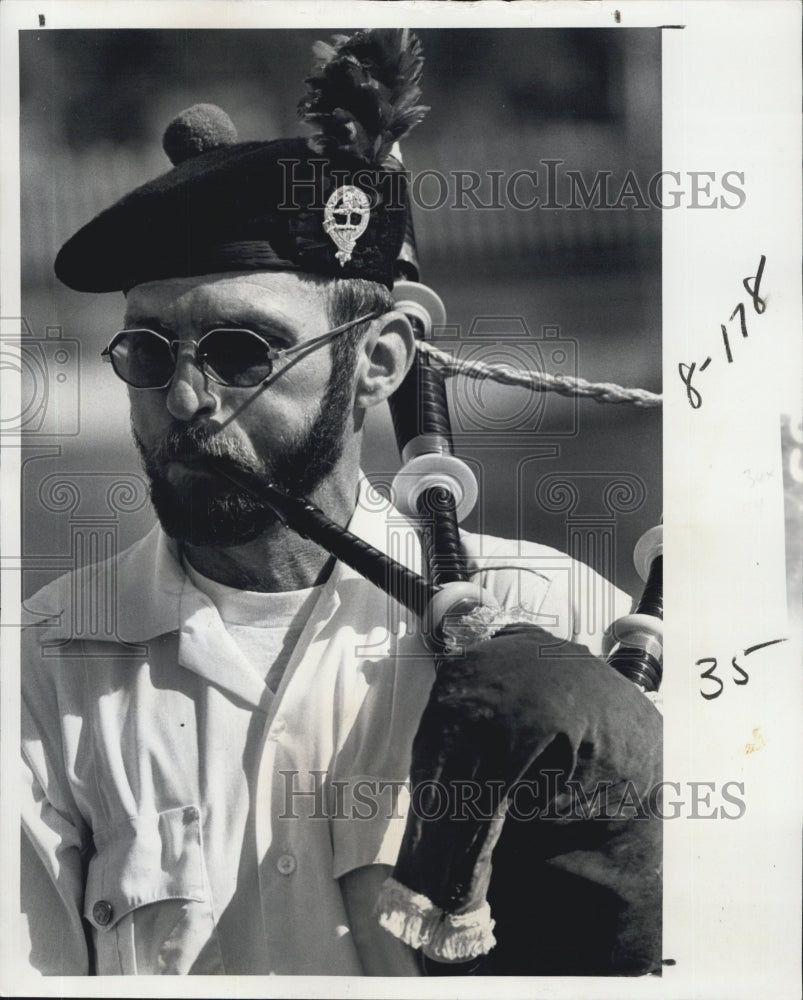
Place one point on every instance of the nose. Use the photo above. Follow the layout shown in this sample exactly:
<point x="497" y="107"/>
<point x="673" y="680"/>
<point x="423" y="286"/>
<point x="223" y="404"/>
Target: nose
<point x="189" y="395"/>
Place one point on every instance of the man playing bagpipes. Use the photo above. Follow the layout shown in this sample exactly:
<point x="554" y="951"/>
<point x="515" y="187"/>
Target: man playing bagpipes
<point x="221" y="787"/>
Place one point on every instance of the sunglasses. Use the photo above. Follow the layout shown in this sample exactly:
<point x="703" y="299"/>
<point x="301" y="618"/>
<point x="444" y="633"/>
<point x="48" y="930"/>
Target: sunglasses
<point x="235" y="358"/>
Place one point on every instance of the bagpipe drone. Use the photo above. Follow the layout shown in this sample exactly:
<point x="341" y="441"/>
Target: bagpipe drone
<point x="564" y="889"/>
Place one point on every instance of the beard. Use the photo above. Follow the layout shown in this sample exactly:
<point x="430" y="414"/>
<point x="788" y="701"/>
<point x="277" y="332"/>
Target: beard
<point x="209" y="510"/>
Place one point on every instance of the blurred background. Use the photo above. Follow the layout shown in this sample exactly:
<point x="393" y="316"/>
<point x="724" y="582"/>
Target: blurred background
<point x="563" y="288"/>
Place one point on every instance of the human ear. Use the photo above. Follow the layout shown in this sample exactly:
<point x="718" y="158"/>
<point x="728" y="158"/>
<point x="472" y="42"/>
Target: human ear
<point x="385" y="358"/>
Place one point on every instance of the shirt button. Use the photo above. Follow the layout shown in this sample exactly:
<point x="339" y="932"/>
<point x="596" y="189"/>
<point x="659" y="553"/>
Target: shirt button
<point x="102" y="912"/>
<point x="286" y="864"/>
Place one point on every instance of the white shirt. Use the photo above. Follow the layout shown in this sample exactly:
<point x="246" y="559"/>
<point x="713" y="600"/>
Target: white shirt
<point x="266" y="626"/>
<point x="212" y="817"/>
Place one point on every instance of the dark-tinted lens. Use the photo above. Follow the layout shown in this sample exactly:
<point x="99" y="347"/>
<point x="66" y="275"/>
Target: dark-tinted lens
<point x="236" y="357"/>
<point x="142" y="358"/>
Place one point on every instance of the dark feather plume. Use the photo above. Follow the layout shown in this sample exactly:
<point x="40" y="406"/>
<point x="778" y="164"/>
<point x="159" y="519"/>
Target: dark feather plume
<point x="363" y="94"/>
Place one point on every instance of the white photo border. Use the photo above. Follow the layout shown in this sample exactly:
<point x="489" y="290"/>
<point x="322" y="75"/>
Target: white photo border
<point x="731" y="101"/>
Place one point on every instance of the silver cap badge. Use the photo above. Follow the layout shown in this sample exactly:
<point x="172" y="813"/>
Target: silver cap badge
<point x="345" y="219"/>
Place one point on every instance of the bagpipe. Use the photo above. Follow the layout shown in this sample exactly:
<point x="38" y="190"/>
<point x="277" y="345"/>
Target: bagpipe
<point x="568" y="887"/>
<point x="570" y="884"/>
<point x="552" y="864"/>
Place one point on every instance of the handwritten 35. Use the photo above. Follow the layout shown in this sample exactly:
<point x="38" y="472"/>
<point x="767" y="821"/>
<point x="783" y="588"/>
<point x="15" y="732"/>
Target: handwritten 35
<point x="739" y="675"/>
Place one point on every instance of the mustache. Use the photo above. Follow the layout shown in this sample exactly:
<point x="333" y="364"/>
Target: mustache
<point x="199" y="444"/>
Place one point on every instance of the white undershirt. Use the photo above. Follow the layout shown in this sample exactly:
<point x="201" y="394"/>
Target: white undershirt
<point x="266" y="626"/>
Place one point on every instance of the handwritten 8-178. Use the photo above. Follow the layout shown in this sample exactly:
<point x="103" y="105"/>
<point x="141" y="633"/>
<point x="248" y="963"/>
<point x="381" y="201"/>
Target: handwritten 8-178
<point x="752" y="286"/>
